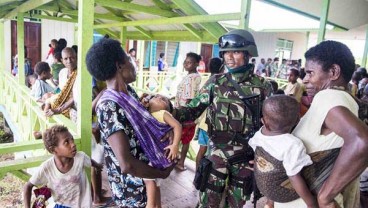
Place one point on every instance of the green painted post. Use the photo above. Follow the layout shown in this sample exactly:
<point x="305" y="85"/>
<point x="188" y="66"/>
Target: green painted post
<point x="323" y="20"/>
<point x="365" y="53"/>
<point x="245" y="14"/>
<point x="20" y="47"/>
<point x="140" y="57"/>
<point x="85" y="40"/>
<point x="2" y="47"/>
<point x="123" y="37"/>
<point x="166" y="46"/>
<point x="306" y="47"/>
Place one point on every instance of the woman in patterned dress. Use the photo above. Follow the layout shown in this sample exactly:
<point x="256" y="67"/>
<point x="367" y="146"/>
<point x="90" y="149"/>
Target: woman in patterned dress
<point x="125" y="160"/>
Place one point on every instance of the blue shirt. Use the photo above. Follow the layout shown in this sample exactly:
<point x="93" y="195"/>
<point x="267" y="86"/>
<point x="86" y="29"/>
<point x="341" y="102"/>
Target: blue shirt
<point x="160" y="64"/>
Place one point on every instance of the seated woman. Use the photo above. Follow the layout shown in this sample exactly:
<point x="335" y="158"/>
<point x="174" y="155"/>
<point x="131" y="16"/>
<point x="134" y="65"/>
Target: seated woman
<point x="63" y="102"/>
<point x="126" y="162"/>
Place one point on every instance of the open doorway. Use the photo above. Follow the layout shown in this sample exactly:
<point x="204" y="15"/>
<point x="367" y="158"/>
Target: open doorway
<point x="32" y="40"/>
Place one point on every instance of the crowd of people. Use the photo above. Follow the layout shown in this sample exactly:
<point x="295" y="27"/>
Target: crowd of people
<point x="301" y="146"/>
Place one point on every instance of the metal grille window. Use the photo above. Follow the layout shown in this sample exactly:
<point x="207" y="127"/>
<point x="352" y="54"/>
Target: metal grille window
<point x="284" y="49"/>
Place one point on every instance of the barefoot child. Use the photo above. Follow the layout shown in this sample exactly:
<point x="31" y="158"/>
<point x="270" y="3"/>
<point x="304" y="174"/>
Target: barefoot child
<point x="160" y="106"/>
<point x="64" y="173"/>
<point x="280" y="156"/>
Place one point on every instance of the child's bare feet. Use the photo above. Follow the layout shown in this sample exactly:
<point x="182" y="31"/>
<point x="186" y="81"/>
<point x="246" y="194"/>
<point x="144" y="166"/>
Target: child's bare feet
<point x="104" y="202"/>
<point x="181" y="167"/>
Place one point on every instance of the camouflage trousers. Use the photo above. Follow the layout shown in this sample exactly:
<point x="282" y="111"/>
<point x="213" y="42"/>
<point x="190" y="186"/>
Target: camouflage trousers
<point x="233" y="196"/>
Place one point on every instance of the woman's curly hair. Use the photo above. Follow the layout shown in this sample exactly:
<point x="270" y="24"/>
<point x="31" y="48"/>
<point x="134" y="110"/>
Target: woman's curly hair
<point x="102" y="57"/>
<point x="331" y="52"/>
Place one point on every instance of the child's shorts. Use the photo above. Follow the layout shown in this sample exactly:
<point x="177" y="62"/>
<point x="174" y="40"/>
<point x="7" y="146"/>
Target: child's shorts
<point x="202" y="137"/>
<point x="187" y="134"/>
<point x="157" y="180"/>
<point x="97" y="152"/>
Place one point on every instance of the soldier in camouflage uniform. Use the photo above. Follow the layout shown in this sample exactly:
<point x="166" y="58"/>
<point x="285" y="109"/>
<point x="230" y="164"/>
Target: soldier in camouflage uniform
<point x="231" y="123"/>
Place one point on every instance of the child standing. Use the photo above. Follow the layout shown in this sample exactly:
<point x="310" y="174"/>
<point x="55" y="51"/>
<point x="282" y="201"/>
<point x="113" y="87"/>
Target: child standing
<point x="160" y="106"/>
<point x="50" y="54"/>
<point x="215" y="68"/>
<point x="187" y="90"/>
<point x="64" y="173"/>
<point x="279" y="155"/>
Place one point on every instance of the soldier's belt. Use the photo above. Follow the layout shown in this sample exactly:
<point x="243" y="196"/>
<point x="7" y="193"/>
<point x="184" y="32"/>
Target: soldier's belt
<point x="221" y="137"/>
<point x="224" y="137"/>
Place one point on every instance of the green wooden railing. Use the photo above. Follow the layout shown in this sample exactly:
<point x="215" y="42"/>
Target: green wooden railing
<point x="27" y="117"/>
<point x="161" y="82"/>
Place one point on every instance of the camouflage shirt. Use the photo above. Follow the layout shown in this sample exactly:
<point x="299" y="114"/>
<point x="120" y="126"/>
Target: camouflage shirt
<point x="219" y="94"/>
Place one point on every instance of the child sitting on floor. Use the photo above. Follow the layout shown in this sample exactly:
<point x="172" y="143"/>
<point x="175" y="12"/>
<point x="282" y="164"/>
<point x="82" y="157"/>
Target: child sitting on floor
<point x="160" y="106"/>
<point x="280" y="156"/>
<point x="63" y="173"/>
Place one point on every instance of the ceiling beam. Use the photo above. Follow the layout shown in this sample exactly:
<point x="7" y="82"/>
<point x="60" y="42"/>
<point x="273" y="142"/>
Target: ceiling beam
<point x="3" y="13"/>
<point x="144" y="32"/>
<point x="190" y="7"/>
<point x="25" y="7"/>
<point x="194" y="31"/>
<point x="75" y="13"/>
<point x="172" y="36"/>
<point x="11" y="1"/>
<point x="65" y="4"/>
<point x="175" y="20"/>
<point x="38" y="16"/>
<point x="161" y="5"/>
<point x="111" y="33"/>
<point x="116" y="13"/>
<point x="10" y="6"/>
<point x="189" y="27"/>
<point x="135" y="7"/>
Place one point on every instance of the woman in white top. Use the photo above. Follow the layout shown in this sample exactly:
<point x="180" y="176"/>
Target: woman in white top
<point x="332" y="122"/>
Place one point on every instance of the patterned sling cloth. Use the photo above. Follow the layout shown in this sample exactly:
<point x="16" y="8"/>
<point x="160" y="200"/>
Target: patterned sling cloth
<point x="65" y="94"/>
<point x="148" y="130"/>
<point x="273" y="182"/>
